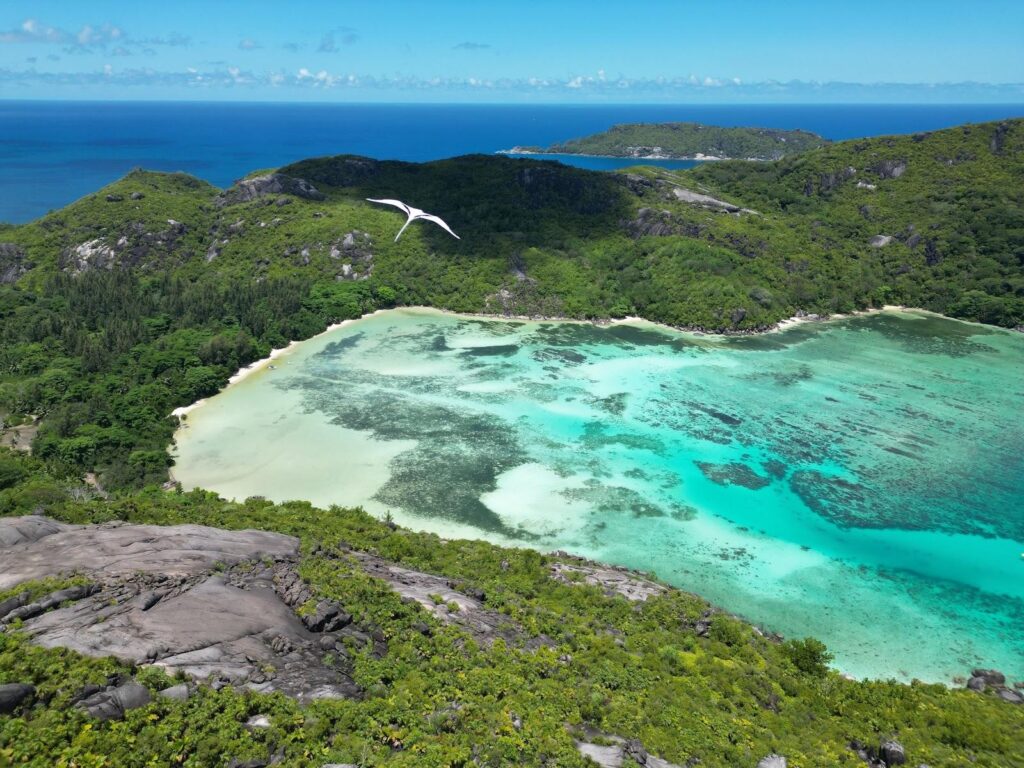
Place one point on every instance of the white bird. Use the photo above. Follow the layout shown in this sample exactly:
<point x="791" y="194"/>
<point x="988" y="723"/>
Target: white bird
<point x="413" y="214"/>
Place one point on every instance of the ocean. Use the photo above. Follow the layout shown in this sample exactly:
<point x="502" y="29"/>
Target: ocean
<point x="859" y="480"/>
<point x="52" y="153"/>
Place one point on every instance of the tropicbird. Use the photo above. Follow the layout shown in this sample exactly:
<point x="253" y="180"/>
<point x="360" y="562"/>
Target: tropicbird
<point x="413" y="214"/>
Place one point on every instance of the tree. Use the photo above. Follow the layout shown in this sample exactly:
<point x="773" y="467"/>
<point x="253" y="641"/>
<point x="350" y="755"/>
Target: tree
<point x="808" y="655"/>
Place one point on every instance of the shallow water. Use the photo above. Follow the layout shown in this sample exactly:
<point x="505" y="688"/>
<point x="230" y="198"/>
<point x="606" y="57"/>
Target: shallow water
<point x="860" y="481"/>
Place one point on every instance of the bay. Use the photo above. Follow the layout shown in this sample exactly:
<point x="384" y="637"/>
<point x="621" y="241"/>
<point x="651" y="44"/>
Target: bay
<point x="860" y="480"/>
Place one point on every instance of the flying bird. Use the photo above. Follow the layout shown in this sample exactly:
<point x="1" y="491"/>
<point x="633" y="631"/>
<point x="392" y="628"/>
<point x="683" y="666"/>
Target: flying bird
<point x="413" y="214"/>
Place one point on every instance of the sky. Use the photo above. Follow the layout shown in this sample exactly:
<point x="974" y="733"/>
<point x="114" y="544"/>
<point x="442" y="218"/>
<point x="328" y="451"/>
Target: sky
<point x="560" y="51"/>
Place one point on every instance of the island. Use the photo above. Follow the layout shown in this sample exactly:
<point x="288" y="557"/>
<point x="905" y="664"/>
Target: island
<point x="141" y="623"/>
<point x="683" y="141"/>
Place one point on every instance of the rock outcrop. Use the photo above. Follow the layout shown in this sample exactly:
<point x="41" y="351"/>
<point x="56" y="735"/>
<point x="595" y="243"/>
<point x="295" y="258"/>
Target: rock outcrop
<point x="137" y="245"/>
<point x="170" y="596"/>
<point x="890" y="169"/>
<point x="27" y="529"/>
<point x="13" y="695"/>
<point x="615" y="754"/>
<point x="465" y="608"/>
<point x="218" y="605"/>
<point x="112" y="704"/>
<point x="653" y="223"/>
<point x="892" y="753"/>
<point x="13" y="263"/>
<point x="355" y="252"/>
<point x="269" y="185"/>
<point x="706" y="201"/>
<point x="888" y="753"/>
<point x="35" y="547"/>
<point x="984" y="679"/>
<point x="612" y="580"/>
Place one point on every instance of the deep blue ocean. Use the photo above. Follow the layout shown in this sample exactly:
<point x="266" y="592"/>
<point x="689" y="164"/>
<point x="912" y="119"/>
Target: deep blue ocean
<point x="52" y="153"/>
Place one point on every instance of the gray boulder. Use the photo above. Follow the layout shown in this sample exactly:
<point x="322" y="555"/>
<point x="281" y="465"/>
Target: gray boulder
<point x="112" y="704"/>
<point x="1013" y="697"/>
<point x="890" y="169"/>
<point x="892" y="753"/>
<point x="179" y="692"/>
<point x="977" y="684"/>
<point x="772" y="761"/>
<point x="990" y="676"/>
<point x="12" y="695"/>
<point x="8" y="605"/>
<point x="327" y="617"/>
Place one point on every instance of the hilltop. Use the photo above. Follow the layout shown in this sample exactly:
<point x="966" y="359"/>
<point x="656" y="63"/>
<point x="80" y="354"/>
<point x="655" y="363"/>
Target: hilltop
<point x="685" y="141"/>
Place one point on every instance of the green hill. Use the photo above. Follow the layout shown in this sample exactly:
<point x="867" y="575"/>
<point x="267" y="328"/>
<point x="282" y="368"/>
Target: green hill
<point x="163" y="281"/>
<point x="148" y="294"/>
<point x="688" y="141"/>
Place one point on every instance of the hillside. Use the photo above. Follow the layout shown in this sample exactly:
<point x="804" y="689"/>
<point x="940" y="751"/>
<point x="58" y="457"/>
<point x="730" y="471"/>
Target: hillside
<point x="150" y="293"/>
<point x="166" y="282"/>
<point x="687" y="141"/>
<point x="443" y="652"/>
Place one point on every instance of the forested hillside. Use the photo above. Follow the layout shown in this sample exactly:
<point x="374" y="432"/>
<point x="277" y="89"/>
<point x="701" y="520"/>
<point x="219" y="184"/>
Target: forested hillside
<point x="565" y="662"/>
<point x="687" y="140"/>
<point x="148" y="294"/>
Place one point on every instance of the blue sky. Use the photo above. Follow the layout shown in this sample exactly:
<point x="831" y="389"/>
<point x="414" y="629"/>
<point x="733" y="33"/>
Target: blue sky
<point x="569" y="51"/>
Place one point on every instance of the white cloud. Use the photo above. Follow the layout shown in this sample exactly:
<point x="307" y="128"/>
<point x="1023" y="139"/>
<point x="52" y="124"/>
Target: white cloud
<point x="34" y="31"/>
<point x="218" y="74"/>
<point x="89" y="37"/>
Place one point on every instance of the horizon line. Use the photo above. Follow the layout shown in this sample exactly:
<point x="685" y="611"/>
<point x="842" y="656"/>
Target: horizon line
<point x="573" y="104"/>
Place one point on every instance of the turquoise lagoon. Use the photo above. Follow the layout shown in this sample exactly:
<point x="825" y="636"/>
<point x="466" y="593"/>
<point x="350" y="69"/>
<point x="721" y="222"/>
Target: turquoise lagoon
<point x="860" y="480"/>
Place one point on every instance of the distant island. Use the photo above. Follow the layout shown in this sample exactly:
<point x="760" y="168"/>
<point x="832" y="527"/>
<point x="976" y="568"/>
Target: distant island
<point x="683" y="141"/>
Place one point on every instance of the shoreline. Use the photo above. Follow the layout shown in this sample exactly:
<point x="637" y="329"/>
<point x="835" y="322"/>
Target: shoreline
<point x="785" y="324"/>
<point x="790" y="322"/>
<point x="700" y="157"/>
<point x="248" y="370"/>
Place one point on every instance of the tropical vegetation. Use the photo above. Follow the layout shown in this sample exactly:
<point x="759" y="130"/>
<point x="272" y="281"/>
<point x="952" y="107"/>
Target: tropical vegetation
<point x="150" y="293"/>
<point x="688" y="140"/>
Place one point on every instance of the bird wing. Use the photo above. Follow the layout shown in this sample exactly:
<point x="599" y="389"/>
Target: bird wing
<point x="396" y="203"/>
<point x="440" y="222"/>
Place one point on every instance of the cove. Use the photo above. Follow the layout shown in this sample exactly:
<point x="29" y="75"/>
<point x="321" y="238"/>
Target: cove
<point x="860" y="480"/>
